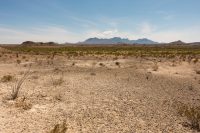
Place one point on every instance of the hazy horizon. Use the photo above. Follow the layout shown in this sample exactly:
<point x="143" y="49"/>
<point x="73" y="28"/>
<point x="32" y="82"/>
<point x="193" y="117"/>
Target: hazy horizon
<point x="75" y="20"/>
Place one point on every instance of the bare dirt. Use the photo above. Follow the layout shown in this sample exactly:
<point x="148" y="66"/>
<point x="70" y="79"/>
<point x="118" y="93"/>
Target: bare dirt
<point x="97" y="95"/>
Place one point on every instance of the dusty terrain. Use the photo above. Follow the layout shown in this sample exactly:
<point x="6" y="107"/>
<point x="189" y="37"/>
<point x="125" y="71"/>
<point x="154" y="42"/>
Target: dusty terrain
<point x="87" y="94"/>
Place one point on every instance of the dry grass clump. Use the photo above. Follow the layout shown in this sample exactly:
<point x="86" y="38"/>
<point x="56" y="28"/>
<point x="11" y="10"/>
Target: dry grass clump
<point x="191" y="113"/>
<point x="57" y="82"/>
<point x="7" y="78"/>
<point x="155" y="67"/>
<point x="23" y="104"/>
<point x="59" y="128"/>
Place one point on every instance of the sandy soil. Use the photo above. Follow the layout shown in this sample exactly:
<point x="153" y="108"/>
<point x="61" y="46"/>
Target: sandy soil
<point x="93" y="95"/>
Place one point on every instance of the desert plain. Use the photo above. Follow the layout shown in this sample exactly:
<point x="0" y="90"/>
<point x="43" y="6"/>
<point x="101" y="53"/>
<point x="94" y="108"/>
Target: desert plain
<point x="96" y="93"/>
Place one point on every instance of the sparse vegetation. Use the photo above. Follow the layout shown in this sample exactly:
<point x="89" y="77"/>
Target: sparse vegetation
<point x="155" y="67"/>
<point x="73" y="64"/>
<point x="23" y="104"/>
<point x="140" y="51"/>
<point x="59" y="128"/>
<point x="96" y="94"/>
<point x="101" y="64"/>
<point x="7" y="78"/>
<point x="17" y="86"/>
<point x="117" y="63"/>
<point x="57" y="81"/>
<point x="195" y="60"/>
<point x="18" y="61"/>
<point x="192" y="114"/>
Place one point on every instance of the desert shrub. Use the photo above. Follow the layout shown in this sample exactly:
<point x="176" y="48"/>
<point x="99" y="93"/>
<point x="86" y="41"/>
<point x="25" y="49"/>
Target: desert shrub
<point x="73" y="64"/>
<point x="7" y="78"/>
<point x="192" y="114"/>
<point x="195" y="60"/>
<point x="17" y="55"/>
<point x="23" y="57"/>
<point x="18" y="61"/>
<point x="117" y="63"/>
<point x="59" y="128"/>
<point x="101" y="64"/>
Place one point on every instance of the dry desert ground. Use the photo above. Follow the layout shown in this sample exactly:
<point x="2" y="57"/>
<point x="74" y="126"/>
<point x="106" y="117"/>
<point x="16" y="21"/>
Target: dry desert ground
<point x="98" y="94"/>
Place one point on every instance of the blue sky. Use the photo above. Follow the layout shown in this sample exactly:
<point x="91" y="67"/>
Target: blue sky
<point x="76" y="20"/>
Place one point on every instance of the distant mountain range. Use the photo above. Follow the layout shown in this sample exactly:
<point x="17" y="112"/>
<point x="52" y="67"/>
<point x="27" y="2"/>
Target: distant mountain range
<point x="117" y="40"/>
<point x="179" y="42"/>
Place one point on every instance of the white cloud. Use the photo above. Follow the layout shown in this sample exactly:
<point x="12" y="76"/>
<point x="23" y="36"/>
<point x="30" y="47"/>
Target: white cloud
<point x="146" y="28"/>
<point x="108" y="34"/>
